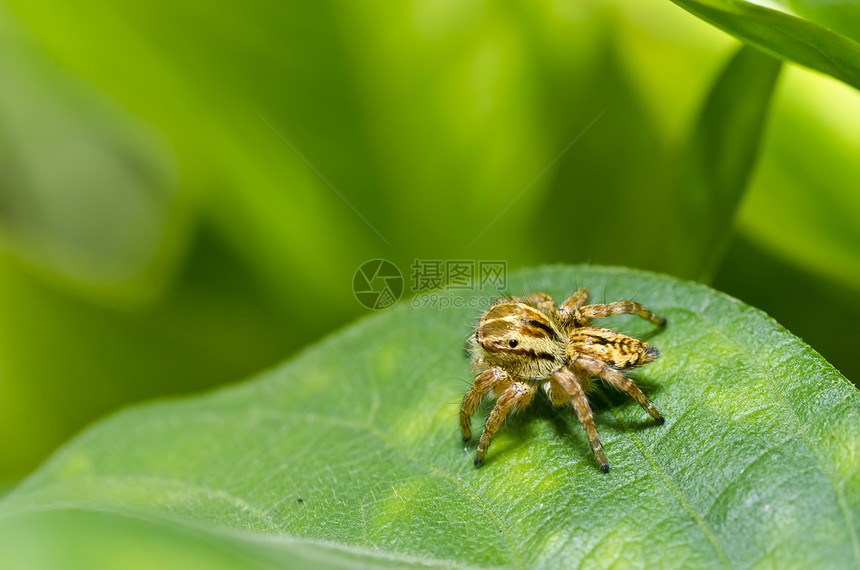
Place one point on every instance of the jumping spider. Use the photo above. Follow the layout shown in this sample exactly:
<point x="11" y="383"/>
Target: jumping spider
<point x="525" y="342"/>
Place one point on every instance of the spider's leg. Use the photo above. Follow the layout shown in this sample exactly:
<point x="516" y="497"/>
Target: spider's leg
<point x="620" y="308"/>
<point x="620" y="381"/>
<point x="540" y="301"/>
<point x="574" y="385"/>
<point x="556" y="394"/>
<point x="483" y="383"/>
<point x="568" y="312"/>
<point x="518" y="394"/>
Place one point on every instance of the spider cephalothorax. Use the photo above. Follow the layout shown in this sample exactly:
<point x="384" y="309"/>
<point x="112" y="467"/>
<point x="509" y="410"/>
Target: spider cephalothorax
<point x="522" y="343"/>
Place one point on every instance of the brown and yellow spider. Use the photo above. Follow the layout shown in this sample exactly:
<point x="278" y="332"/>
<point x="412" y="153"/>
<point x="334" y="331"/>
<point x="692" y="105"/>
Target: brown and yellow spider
<point x="525" y="342"/>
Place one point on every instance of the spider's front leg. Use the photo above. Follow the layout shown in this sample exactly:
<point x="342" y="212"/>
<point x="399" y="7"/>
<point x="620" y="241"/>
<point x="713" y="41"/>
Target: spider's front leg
<point x="518" y="394"/>
<point x="492" y="378"/>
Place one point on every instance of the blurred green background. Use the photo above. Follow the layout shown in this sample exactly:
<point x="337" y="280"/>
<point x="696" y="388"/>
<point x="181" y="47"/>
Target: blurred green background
<point x="186" y="190"/>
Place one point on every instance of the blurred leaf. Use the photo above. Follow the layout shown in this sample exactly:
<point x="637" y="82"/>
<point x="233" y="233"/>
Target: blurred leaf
<point x="65" y="360"/>
<point x="88" y="192"/>
<point x="617" y="154"/>
<point x="722" y="151"/>
<point x="840" y="15"/>
<point x="783" y="36"/>
<point x="803" y="206"/>
<point x="355" y="443"/>
<point x="327" y="113"/>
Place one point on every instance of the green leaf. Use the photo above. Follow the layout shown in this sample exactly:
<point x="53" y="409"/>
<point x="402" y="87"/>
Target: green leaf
<point x="351" y="453"/>
<point x="842" y="16"/>
<point x="96" y="539"/>
<point x="783" y="36"/>
<point x="721" y="155"/>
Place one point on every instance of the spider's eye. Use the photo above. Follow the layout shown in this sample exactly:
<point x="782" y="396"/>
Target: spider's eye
<point x="513" y="343"/>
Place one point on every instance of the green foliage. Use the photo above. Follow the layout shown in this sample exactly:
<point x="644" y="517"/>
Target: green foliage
<point x="721" y="155"/>
<point x="799" y="218"/>
<point x="844" y="16"/>
<point x="821" y="211"/>
<point x="186" y="191"/>
<point x="430" y="121"/>
<point x="349" y="456"/>
<point x="784" y="36"/>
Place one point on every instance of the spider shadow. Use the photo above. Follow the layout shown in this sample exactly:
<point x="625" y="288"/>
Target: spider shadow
<point x="522" y="426"/>
<point x="606" y="400"/>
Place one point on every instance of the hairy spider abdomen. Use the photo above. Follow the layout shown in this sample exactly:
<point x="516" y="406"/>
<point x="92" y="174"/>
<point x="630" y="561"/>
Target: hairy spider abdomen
<point x="617" y="350"/>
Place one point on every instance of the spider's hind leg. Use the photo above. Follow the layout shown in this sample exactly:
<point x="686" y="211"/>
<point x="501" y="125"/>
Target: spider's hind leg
<point x="620" y="308"/>
<point x="575" y="385"/>
<point x="614" y="377"/>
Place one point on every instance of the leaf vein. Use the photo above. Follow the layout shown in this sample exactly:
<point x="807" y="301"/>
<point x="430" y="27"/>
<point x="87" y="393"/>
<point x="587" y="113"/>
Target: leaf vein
<point x="667" y="481"/>
<point x="840" y="495"/>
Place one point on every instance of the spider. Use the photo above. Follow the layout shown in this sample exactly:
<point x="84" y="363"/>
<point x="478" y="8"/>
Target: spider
<point x="522" y="343"/>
